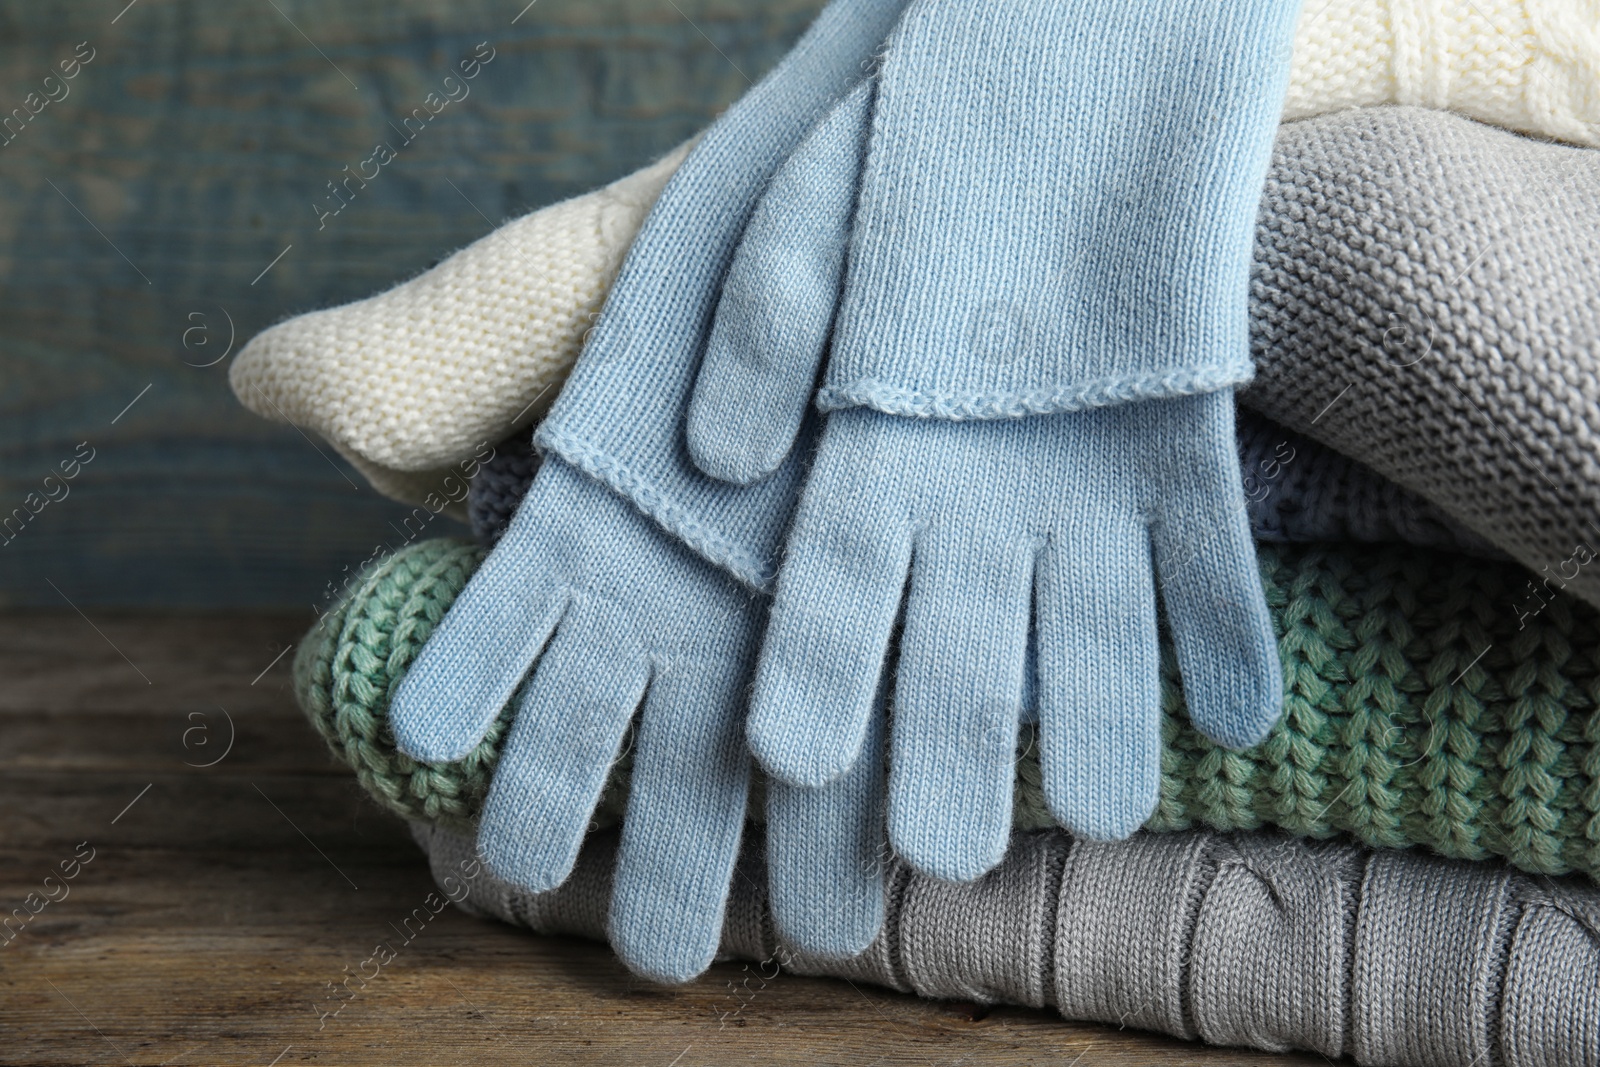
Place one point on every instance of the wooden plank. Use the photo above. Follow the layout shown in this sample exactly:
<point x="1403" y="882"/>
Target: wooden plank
<point x="182" y="741"/>
<point x="222" y="812"/>
<point x="109" y="662"/>
<point x="466" y="992"/>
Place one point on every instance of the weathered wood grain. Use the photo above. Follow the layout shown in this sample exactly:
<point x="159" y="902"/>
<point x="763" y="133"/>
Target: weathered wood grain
<point x="109" y="661"/>
<point x="188" y="154"/>
<point x="220" y="904"/>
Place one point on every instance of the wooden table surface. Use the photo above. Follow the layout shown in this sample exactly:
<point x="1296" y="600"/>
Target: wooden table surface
<point x="220" y="901"/>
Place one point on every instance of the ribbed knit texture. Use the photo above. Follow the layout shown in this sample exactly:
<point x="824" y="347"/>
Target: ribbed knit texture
<point x="1528" y="65"/>
<point x="1392" y="733"/>
<point x="348" y="666"/>
<point x="1425" y="293"/>
<point x="425" y="386"/>
<point x="1052" y="219"/>
<point x="1048" y="222"/>
<point x="1249" y="939"/>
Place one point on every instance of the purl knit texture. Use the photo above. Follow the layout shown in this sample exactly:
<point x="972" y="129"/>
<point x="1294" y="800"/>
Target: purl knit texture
<point x="415" y="389"/>
<point x="1424" y="295"/>
<point x="496" y="491"/>
<point x="1329" y="305"/>
<point x="1295" y="490"/>
<point x="484" y="335"/>
<point x="1418" y="714"/>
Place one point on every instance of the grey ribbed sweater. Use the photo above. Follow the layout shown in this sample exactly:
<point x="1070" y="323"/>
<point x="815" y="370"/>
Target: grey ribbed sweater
<point x="1260" y="940"/>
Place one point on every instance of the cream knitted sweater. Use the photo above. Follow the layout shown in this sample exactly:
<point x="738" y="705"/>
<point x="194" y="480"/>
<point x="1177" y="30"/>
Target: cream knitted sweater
<point x="411" y="382"/>
<point x="1528" y="65"/>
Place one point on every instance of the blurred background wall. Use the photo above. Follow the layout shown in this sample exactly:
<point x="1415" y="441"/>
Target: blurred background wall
<point x="165" y="205"/>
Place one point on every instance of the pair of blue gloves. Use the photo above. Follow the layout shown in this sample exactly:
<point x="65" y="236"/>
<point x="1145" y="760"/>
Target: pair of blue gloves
<point x="1021" y="233"/>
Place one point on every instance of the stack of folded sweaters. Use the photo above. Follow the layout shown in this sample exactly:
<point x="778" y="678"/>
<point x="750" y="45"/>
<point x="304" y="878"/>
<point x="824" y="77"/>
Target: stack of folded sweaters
<point x="822" y="439"/>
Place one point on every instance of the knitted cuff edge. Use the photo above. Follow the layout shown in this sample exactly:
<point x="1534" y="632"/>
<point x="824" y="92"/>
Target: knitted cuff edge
<point x="1007" y="404"/>
<point x="677" y="520"/>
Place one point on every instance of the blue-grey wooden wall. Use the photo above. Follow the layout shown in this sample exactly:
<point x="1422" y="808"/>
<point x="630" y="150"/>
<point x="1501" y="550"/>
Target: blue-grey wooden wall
<point x="187" y="154"/>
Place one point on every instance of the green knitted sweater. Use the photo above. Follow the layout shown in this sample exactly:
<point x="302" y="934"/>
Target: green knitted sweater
<point x="1417" y="712"/>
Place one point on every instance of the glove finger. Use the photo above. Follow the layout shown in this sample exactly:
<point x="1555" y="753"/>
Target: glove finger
<point x="837" y="597"/>
<point x="472" y="664"/>
<point x="778" y="302"/>
<point x="1211" y="582"/>
<point x="1099" y="680"/>
<point x="826" y="854"/>
<point x="561" y="746"/>
<point x="958" y="701"/>
<point x="686" y="807"/>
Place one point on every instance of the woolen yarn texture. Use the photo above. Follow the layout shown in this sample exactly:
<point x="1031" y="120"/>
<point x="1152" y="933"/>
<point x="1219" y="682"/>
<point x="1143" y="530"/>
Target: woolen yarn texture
<point x="1295" y="490"/>
<point x="1418" y="714"/>
<point x="1249" y="939"/>
<point x="1424" y="295"/>
<point x="606" y="612"/>
<point x="413" y="384"/>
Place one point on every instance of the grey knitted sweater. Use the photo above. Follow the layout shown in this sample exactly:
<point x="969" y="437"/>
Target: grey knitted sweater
<point x="1261" y="940"/>
<point x="1426" y="299"/>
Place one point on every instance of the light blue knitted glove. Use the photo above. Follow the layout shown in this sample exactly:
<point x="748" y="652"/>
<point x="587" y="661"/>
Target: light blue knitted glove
<point x="596" y="590"/>
<point x="1028" y="241"/>
<point x="625" y="615"/>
